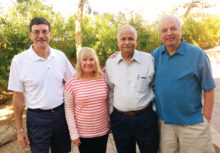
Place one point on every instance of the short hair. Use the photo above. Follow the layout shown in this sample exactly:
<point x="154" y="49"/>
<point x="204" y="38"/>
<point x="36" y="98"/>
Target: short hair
<point x="127" y="26"/>
<point x="37" y="21"/>
<point x="178" y="21"/>
<point x="87" y="52"/>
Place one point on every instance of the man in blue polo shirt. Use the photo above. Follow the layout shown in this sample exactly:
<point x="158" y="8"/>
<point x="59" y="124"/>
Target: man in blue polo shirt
<point x="183" y="74"/>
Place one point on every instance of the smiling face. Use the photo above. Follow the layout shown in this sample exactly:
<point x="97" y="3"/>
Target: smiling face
<point x="127" y="41"/>
<point x="40" y="35"/>
<point x="170" y="32"/>
<point x="88" y="65"/>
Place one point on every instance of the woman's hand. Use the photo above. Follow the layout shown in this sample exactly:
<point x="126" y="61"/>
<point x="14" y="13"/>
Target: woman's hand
<point x="76" y="141"/>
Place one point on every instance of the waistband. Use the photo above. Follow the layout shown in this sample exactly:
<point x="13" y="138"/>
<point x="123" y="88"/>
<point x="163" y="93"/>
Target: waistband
<point x="47" y="110"/>
<point x="134" y="113"/>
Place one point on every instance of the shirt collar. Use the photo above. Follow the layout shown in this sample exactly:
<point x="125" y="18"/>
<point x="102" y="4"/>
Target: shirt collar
<point x="35" y="57"/>
<point x="180" y="50"/>
<point x="135" y="57"/>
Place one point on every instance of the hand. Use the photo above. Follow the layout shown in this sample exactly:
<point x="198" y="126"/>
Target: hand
<point x="103" y="70"/>
<point x="76" y="141"/>
<point x="208" y="118"/>
<point x="23" y="139"/>
<point x="114" y="55"/>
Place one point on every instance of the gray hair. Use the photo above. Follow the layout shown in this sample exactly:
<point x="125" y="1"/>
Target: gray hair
<point x="177" y="20"/>
<point x="127" y="26"/>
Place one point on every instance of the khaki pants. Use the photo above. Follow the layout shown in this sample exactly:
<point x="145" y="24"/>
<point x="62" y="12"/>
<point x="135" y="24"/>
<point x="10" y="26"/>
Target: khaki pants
<point x="186" y="139"/>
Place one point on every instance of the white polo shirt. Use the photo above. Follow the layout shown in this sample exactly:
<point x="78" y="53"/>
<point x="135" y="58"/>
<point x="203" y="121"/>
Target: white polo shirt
<point x="130" y="83"/>
<point x="41" y="80"/>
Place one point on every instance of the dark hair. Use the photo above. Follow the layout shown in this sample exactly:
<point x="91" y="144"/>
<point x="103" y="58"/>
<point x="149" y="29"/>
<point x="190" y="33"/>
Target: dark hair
<point x="36" y="21"/>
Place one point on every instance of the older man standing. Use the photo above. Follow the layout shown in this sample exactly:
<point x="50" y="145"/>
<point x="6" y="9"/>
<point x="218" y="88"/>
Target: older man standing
<point x="36" y="77"/>
<point x="183" y="72"/>
<point x="129" y="76"/>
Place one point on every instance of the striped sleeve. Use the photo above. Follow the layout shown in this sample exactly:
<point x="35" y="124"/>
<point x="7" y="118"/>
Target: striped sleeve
<point x="69" y="111"/>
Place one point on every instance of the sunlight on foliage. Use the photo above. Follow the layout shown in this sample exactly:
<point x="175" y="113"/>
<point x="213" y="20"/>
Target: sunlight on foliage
<point x="98" y="31"/>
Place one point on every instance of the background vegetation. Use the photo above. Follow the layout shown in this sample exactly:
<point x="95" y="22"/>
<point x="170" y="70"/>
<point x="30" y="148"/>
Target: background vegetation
<point x="98" y="31"/>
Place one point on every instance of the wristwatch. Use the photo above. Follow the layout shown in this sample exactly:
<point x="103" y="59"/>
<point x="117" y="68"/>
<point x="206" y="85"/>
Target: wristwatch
<point x="19" y="131"/>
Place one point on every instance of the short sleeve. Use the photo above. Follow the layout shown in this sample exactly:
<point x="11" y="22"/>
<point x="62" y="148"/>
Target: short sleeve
<point x="15" y="83"/>
<point x="69" y="70"/>
<point x="207" y="81"/>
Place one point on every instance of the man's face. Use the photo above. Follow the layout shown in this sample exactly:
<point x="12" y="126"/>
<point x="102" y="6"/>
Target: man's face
<point x="40" y="35"/>
<point x="127" y="41"/>
<point x="170" y="32"/>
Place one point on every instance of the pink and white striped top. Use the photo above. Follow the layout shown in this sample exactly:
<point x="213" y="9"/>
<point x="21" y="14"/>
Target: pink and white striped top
<point x="86" y="107"/>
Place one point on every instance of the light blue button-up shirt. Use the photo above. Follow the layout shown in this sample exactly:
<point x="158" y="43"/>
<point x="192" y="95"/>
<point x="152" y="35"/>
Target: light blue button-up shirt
<point x="130" y="83"/>
<point x="179" y="81"/>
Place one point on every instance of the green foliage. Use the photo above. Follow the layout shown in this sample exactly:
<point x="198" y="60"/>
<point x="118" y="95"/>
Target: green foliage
<point x="99" y="31"/>
<point x="203" y="32"/>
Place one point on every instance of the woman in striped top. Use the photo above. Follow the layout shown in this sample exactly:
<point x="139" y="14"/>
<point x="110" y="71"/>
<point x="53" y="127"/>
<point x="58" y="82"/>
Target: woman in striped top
<point x="86" y="104"/>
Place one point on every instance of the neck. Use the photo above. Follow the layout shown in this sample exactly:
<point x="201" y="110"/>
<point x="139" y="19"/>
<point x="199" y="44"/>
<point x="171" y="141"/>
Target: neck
<point x="127" y="56"/>
<point x="172" y="49"/>
<point x="44" y="53"/>
<point x="89" y="75"/>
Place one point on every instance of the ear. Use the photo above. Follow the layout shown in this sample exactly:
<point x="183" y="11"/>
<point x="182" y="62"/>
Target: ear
<point x="30" y="35"/>
<point x="117" y="41"/>
<point x="50" y="36"/>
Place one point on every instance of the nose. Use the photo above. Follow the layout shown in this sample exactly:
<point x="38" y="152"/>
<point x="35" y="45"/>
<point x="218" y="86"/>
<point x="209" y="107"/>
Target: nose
<point x="169" y="32"/>
<point x="88" y="61"/>
<point x="41" y="34"/>
<point x="126" y="41"/>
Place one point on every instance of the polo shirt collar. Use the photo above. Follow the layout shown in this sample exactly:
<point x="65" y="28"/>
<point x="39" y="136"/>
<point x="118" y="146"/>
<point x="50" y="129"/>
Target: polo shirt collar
<point x="180" y="50"/>
<point x="135" y="57"/>
<point x="35" y="57"/>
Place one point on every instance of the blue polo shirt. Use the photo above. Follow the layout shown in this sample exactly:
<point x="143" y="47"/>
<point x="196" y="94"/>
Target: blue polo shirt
<point x="179" y="81"/>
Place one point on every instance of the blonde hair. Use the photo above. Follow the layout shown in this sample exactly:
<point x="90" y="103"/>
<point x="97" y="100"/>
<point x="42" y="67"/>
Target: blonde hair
<point x="87" y="52"/>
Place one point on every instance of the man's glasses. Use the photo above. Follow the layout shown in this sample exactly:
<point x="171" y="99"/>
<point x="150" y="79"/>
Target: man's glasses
<point x="37" y="32"/>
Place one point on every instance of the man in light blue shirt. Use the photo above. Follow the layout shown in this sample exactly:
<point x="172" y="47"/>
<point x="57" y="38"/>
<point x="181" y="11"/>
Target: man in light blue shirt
<point x="183" y="74"/>
<point x="129" y="76"/>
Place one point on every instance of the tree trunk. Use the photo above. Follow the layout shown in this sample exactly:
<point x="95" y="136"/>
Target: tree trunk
<point x="78" y="26"/>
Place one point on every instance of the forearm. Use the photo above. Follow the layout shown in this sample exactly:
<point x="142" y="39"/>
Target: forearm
<point x="208" y="103"/>
<point x="18" y="105"/>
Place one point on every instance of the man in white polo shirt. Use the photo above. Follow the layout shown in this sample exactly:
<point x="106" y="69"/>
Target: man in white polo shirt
<point x="36" y="77"/>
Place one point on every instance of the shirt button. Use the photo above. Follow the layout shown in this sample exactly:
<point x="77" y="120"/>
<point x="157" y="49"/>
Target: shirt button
<point x="165" y="89"/>
<point x="166" y="78"/>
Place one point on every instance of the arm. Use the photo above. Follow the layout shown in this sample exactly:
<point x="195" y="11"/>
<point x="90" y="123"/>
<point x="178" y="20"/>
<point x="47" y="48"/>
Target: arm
<point x="208" y="103"/>
<point x="111" y="89"/>
<point x="69" y="111"/>
<point x="18" y="105"/>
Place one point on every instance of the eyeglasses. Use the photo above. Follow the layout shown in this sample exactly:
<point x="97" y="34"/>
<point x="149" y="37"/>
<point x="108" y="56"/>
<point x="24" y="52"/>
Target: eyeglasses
<point x="37" y="32"/>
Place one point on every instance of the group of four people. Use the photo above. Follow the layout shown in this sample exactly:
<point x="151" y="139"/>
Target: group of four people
<point x="175" y="75"/>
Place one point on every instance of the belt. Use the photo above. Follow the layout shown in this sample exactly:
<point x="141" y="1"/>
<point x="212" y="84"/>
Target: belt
<point x="134" y="113"/>
<point x="46" y="110"/>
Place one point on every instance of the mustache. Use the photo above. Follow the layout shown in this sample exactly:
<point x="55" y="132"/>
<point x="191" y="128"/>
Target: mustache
<point x="41" y="39"/>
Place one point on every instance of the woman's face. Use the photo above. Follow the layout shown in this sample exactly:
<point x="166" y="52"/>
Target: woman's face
<point x="88" y="65"/>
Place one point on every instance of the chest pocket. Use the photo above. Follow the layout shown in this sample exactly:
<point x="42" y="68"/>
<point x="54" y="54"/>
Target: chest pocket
<point x="184" y="73"/>
<point x="142" y="83"/>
